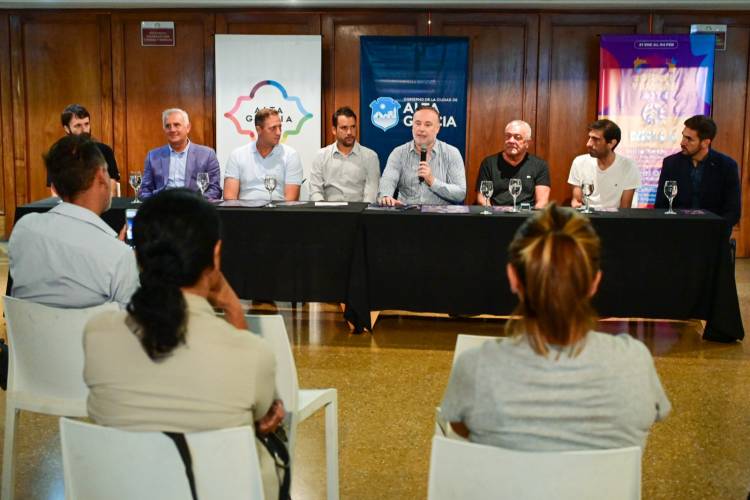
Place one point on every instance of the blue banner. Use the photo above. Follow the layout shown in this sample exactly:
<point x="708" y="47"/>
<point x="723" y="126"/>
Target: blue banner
<point x="400" y="74"/>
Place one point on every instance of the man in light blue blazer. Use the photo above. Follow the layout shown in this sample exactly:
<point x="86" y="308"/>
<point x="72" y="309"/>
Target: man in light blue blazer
<point x="179" y="162"/>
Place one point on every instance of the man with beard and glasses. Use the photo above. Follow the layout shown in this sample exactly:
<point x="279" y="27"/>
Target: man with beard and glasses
<point x="615" y="177"/>
<point x="345" y="170"/>
<point x="706" y="179"/>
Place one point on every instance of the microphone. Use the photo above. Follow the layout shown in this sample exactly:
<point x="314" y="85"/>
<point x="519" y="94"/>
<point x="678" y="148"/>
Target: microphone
<point x="422" y="157"/>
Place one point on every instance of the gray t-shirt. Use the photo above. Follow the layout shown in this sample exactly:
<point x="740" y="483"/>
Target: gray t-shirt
<point x="606" y="397"/>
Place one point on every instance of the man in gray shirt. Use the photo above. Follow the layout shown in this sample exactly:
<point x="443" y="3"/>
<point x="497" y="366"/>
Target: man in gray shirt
<point x="438" y="179"/>
<point x="345" y="170"/>
<point x="70" y="257"/>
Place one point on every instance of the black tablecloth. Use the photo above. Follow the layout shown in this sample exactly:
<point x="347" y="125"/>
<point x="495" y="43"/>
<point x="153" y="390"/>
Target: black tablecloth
<point x="290" y="253"/>
<point x="654" y="265"/>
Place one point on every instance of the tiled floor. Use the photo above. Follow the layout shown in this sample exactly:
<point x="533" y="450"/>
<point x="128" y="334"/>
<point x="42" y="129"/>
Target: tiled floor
<point x="390" y="382"/>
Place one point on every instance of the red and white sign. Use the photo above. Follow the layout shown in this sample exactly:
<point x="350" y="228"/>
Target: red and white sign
<point x="157" y="33"/>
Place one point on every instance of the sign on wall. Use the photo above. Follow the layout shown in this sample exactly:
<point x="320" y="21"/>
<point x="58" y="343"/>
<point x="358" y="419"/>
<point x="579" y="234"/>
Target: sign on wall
<point x="157" y="34"/>
<point x="280" y="72"/>
<point x="400" y="74"/>
<point x="649" y="85"/>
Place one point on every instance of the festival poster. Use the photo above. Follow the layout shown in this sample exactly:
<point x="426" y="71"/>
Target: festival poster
<point x="399" y="74"/>
<point x="649" y="85"/>
<point x="275" y="71"/>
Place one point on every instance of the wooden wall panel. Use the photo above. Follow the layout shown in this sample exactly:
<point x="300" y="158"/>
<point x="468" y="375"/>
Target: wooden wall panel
<point x="568" y="84"/>
<point x="539" y="66"/>
<point x="7" y="181"/>
<point x="56" y="59"/>
<point x="341" y="34"/>
<point x="268" y="23"/>
<point x="502" y="78"/>
<point x="731" y="99"/>
<point x="149" y="80"/>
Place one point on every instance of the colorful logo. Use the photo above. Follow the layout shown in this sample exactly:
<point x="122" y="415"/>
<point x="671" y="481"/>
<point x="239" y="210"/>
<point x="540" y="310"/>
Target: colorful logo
<point x="268" y="94"/>
<point x="384" y="113"/>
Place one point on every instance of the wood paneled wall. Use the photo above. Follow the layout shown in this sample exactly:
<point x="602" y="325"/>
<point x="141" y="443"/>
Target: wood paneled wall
<point x="538" y="66"/>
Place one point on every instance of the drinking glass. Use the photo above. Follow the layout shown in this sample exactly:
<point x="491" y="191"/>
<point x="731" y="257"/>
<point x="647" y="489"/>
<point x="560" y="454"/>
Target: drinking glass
<point x="486" y="188"/>
<point x="202" y="181"/>
<point x="670" y="191"/>
<point x="269" y="182"/>
<point x="515" y="188"/>
<point x="135" y="183"/>
<point x="587" y="188"/>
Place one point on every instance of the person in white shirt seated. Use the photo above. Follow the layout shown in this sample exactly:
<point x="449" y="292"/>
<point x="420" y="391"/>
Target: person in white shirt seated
<point x="345" y="170"/>
<point x="249" y="166"/>
<point x="615" y="177"/>
<point x="68" y="256"/>
<point x="555" y="384"/>
<point x="169" y="363"/>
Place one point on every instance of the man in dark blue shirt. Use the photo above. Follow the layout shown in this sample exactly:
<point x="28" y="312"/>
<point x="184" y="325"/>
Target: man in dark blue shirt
<point x="706" y="179"/>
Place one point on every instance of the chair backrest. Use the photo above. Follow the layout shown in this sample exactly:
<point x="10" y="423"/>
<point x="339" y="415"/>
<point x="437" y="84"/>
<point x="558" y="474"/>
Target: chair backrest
<point x="459" y="469"/>
<point x="45" y="372"/>
<point x="271" y="327"/>
<point x="465" y="342"/>
<point x="103" y="462"/>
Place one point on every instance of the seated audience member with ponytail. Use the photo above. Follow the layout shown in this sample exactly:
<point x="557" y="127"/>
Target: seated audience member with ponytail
<point x="169" y="363"/>
<point x="555" y="384"/>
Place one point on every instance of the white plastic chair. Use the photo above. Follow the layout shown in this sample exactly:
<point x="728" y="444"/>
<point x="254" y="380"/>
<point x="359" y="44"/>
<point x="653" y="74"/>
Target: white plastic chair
<point x="113" y="464"/>
<point x="301" y="403"/>
<point x="463" y="343"/>
<point x="460" y="470"/>
<point x="45" y="371"/>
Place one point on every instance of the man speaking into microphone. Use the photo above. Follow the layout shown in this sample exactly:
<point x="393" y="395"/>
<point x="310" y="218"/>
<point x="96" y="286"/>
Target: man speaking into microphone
<point x="425" y="171"/>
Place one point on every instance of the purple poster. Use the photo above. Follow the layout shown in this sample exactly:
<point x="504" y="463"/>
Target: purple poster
<point x="649" y="85"/>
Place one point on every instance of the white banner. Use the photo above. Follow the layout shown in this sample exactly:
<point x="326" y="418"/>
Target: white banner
<point x="275" y="71"/>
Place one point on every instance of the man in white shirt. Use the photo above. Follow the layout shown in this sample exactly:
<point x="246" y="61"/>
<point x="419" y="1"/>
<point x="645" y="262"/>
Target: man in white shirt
<point x="68" y="256"/>
<point x="345" y="170"/>
<point x="615" y="177"/>
<point x="249" y="165"/>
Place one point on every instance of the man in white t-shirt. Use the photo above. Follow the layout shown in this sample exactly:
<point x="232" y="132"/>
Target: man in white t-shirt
<point x="615" y="177"/>
<point x="248" y="165"/>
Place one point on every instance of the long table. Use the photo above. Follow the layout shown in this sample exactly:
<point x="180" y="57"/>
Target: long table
<point x="654" y="265"/>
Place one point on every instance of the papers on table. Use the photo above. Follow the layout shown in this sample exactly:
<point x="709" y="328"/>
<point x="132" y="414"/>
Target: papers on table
<point x="260" y="203"/>
<point x="331" y="203"/>
<point x="446" y="209"/>
<point x="399" y="208"/>
<point x="244" y="203"/>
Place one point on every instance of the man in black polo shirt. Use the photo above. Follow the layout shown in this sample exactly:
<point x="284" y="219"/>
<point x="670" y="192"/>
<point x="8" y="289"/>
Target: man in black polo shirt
<point x="76" y="120"/>
<point x="705" y="178"/>
<point x="514" y="162"/>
